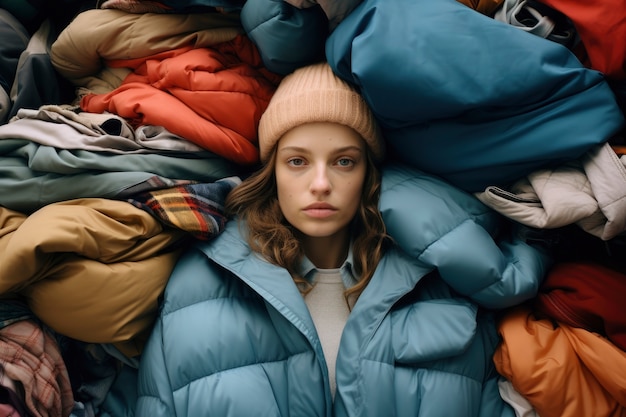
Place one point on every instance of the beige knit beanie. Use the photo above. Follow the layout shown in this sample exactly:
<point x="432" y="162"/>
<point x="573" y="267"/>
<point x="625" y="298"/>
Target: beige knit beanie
<point x="315" y="94"/>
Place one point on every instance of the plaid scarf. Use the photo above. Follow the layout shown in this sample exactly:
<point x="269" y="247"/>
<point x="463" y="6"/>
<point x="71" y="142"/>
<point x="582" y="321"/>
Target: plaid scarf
<point x="195" y="208"/>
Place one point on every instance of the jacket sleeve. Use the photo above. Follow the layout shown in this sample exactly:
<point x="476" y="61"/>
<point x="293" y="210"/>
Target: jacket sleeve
<point x="155" y="398"/>
<point x="453" y="232"/>
<point x="287" y="37"/>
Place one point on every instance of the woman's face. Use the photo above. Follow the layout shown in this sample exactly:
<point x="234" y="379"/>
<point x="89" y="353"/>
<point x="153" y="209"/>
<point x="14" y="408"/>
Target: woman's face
<point x="320" y="172"/>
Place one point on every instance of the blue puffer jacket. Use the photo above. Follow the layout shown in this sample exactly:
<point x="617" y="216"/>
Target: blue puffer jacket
<point x="234" y="337"/>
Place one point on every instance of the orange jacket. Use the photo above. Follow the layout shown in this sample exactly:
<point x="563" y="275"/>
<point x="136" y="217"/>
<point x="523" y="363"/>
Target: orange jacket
<point x="214" y="97"/>
<point x="562" y="371"/>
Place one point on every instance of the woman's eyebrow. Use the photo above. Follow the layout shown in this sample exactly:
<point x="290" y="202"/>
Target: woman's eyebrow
<point x="350" y="148"/>
<point x="305" y="149"/>
<point x="293" y="149"/>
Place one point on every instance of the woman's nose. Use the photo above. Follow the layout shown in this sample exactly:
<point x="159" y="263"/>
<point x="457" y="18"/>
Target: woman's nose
<point x="320" y="182"/>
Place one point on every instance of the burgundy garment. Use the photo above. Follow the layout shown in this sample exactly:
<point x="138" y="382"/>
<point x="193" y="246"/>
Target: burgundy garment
<point x="7" y="410"/>
<point x="586" y="295"/>
<point x="602" y="30"/>
<point x="11" y="405"/>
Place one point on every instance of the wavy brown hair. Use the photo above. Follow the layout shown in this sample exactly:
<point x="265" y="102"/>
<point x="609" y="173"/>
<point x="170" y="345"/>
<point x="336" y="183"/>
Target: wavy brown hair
<point x="255" y="201"/>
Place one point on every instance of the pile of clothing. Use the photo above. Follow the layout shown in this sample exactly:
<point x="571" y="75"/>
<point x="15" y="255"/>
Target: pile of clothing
<point x="125" y="123"/>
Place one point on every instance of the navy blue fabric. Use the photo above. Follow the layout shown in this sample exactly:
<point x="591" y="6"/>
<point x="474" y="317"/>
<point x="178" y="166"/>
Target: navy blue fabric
<point x="286" y="37"/>
<point x="14" y="40"/>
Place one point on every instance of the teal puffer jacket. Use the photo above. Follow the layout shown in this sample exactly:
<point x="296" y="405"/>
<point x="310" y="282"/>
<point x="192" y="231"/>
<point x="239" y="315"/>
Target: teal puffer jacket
<point x="234" y="337"/>
<point x="469" y="98"/>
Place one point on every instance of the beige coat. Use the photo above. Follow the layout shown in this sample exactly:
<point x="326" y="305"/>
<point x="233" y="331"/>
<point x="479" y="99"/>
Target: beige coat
<point x="91" y="269"/>
<point x="589" y="192"/>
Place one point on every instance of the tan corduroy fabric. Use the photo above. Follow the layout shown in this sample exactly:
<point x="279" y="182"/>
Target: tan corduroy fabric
<point x="315" y="94"/>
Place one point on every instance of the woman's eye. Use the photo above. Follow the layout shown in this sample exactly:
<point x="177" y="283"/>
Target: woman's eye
<point x="296" y="162"/>
<point x="345" y="162"/>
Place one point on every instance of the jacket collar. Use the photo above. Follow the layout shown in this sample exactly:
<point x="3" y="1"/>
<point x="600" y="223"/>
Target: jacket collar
<point x="273" y="283"/>
<point x="307" y="270"/>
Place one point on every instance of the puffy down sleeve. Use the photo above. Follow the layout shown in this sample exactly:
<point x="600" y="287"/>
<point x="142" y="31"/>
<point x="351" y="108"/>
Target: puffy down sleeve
<point x="452" y="231"/>
<point x="155" y="399"/>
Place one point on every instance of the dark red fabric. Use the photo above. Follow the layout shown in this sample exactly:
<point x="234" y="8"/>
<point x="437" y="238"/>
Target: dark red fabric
<point x="586" y="295"/>
<point x="601" y="26"/>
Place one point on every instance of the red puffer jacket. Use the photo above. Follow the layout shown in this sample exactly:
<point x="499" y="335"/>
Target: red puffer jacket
<point x="214" y="97"/>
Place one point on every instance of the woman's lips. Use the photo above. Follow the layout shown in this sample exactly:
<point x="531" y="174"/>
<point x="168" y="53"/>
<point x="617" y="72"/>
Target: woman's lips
<point x="320" y="210"/>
